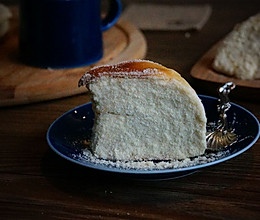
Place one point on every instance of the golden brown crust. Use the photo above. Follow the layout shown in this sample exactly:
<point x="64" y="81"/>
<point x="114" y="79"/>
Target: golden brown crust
<point x="130" y="69"/>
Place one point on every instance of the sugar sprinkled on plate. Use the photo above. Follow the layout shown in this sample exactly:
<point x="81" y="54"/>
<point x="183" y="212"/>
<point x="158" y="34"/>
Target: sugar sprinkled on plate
<point x="208" y="157"/>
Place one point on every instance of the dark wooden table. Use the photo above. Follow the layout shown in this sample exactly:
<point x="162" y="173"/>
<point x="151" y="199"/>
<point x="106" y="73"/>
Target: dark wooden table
<point x="35" y="183"/>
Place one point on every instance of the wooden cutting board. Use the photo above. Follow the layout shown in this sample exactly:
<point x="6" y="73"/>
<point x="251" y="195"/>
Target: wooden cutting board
<point x="20" y="84"/>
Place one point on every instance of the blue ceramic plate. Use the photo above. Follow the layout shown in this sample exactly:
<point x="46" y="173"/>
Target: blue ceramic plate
<point x="67" y="134"/>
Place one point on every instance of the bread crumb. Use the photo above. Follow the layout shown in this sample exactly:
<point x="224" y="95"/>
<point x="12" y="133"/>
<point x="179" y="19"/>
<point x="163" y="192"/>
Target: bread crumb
<point x="187" y="35"/>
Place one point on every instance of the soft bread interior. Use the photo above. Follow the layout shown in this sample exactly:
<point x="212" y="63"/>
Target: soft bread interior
<point x="153" y="118"/>
<point x="239" y="53"/>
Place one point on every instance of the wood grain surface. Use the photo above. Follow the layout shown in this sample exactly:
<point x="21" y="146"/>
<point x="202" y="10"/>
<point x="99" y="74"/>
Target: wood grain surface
<point x="35" y="183"/>
<point x="20" y="83"/>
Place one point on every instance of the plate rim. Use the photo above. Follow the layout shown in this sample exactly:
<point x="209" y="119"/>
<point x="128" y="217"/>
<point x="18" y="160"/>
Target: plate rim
<point x="101" y="167"/>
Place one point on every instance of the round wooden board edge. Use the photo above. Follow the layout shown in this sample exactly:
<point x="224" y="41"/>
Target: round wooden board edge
<point x="136" y="39"/>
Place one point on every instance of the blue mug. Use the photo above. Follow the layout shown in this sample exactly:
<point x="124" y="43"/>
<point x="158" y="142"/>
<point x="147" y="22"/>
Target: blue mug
<point x="63" y="33"/>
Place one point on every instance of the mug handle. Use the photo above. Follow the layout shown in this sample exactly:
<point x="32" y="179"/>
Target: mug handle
<point x="112" y="16"/>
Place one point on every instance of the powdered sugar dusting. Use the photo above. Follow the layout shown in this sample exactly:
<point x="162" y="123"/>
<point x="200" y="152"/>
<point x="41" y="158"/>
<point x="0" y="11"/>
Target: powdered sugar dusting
<point x="128" y="73"/>
<point x="124" y="62"/>
<point x="87" y="156"/>
<point x="120" y="71"/>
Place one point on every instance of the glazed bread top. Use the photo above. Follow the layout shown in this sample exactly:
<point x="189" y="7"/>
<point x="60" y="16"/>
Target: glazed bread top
<point x="142" y="69"/>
